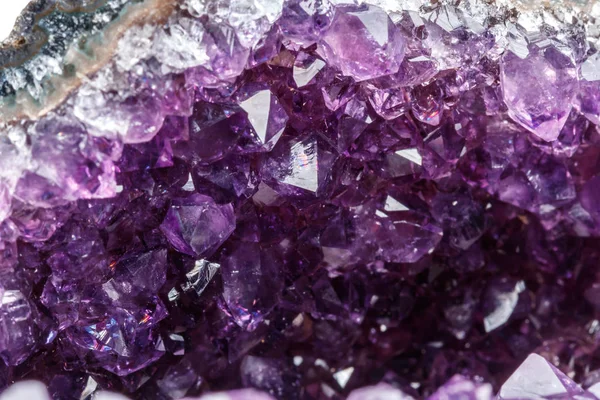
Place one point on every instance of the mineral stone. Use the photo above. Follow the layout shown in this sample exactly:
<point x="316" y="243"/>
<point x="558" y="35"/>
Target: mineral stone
<point x="300" y="200"/>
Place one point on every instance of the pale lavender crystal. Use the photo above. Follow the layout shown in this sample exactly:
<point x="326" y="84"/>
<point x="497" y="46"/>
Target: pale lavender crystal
<point x="178" y="380"/>
<point x="195" y="225"/>
<point x="270" y="375"/>
<point x="227" y="57"/>
<point x="243" y="394"/>
<point x="14" y="159"/>
<point x="453" y="38"/>
<point x="588" y="98"/>
<point x="306" y="68"/>
<point x="538" y="88"/>
<point x="389" y="103"/>
<point x="381" y="391"/>
<point x="31" y="390"/>
<point x="200" y="276"/>
<point x="536" y="378"/>
<point x="5" y="202"/>
<point x="461" y="388"/>
<point x="18" y="331"/>
<point x="363" y="42"/>
<point x="67" y="159"/>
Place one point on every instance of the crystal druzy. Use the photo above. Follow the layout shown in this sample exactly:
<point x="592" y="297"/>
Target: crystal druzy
<point x="300" y="199"/>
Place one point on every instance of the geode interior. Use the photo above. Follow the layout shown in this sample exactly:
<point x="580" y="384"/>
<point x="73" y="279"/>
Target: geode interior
<point x="314" y="199"/>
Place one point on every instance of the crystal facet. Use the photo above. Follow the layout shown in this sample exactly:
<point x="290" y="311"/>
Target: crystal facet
<point x="551" y="78"/>
<point x="363" y="42"/>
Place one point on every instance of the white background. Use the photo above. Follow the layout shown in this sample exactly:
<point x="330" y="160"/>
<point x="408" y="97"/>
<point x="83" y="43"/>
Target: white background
<point x="10" y="10"/>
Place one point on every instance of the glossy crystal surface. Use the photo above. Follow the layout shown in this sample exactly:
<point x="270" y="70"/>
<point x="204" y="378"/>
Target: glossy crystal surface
<point x="290" y="200"/>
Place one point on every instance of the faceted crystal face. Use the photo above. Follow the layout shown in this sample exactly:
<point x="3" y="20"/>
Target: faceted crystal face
<point x="537" y="378"/>
<point x="17" y="328"/>
<point x="305" y="166"/>
<point x="427" y="103"/>
<point x="226" y="56"/>
<point x="502" y="298"/>
<point x="363" y="43"/>
<point x="106" y="335"/>
<point x="118" y="342"/>
<point x="397" y="234"/>
<point x="68" y="160"/>
<point x="304" y="21"/>
<point x="197" y="226"/>
<point x="265" y="115"/>
<point x="306" y="68"/>
<point x="200" y="276"/>
<point x="539" y="89"/>
<point x="588" y="98"/>
<point x="148" y="270"/>
<point x="213" y="132"/>
<point x="250" y="283"/>
<point x="300" y="164"/>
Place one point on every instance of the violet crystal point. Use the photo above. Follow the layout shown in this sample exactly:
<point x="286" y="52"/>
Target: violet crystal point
<point x="300" y="200"/>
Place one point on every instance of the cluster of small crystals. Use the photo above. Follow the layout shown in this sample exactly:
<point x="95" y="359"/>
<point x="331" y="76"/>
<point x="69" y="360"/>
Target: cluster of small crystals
<point x="313" y="200"/>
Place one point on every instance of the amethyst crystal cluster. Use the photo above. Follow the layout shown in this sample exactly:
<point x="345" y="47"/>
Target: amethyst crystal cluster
<point x="304" y="200"/>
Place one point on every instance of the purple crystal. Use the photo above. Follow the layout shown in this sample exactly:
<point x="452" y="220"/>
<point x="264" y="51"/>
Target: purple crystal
<point x="68" y="159"/>
<point x="227" y="57"/>
<point x="304" y="22"/>
<point x="250" y="282"/>
<point x="299" y="165"/>
<point x="306" y="68"/>
<point x="302" y="199"/>
<point x="147" y="270"/>
<point x="18" y="330"/>
<point x="363" y="42"/>
<point x="589" y="195"/>
<point x="543" y="109"/>
<point x="213" y="132"/>
<point x="427" y="103"/>
<point x="244" y="394"/>
<point x="266" y="117"/>
<point x="459" y="388"/>
<point x="117" y="341"/>
<point x="589" y="89"/>
<point x="197" y="226"/>
<point x="397" y="233"/>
